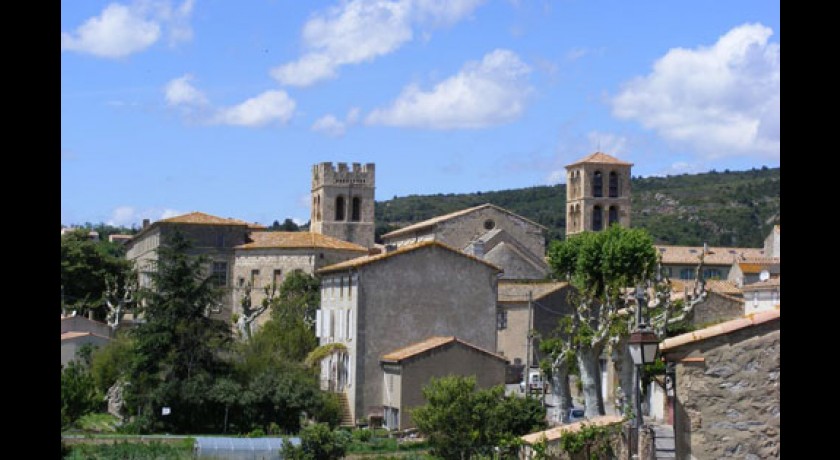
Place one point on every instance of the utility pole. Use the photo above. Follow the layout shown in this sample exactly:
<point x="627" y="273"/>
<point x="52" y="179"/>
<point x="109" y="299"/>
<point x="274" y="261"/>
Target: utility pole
<point x="527" y="376"/>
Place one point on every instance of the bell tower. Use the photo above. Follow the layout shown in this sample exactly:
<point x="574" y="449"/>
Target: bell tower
<point x="597" y="193"/>
<point x="343" y="201"/>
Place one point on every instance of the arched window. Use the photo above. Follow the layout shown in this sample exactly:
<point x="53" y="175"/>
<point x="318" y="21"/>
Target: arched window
<point x="356" y="212"/>
<point x="597" y="219"/>
<point x="613" y="218"/>
<point x="318" y="207"/>
<point x="597" y="184"/>
<point x="339" y="208"/>
<point x="613" y="185"/>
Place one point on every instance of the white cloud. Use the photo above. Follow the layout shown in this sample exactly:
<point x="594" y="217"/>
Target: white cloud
<point x="609" y="143"/>
<point x="721" y="100"/>
<point x="260" y="110"/>
<point x="332" y="126"/>
<point x="362" y="30"/>
<point x="180" y="91"/>
<point x="121" y="30"/>
<point x="129" y="216"/>
<point x="482" y="94"/>
<point x="329" y="125"/>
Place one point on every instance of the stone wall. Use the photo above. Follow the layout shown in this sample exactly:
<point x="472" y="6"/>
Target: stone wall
<point x="331" y="182"/>
<point x="716" y="308"/>
<point x="727" y="404"/>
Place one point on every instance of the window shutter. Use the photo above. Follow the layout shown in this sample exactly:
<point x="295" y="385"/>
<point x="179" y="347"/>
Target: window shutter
<point x="318" y="324"/>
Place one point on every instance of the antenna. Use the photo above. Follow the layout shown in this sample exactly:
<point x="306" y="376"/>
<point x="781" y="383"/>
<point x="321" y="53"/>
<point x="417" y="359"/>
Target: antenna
<point x="764" y="275"/>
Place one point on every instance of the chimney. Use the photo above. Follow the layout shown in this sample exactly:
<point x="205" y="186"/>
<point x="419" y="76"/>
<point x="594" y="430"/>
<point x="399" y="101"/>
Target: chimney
<point x="145" y="223"/>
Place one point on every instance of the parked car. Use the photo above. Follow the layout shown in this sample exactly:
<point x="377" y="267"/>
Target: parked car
<point x="535" y="383"/>
<point x="576" y="414"/>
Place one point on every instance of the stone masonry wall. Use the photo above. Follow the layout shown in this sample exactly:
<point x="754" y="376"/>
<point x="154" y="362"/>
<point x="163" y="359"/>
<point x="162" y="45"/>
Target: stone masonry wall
<point x="716" y="308"/>
<point x="728" y="405"/>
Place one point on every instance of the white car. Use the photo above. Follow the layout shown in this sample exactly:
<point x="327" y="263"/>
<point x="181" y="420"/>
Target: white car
<point x="536" y="383"/>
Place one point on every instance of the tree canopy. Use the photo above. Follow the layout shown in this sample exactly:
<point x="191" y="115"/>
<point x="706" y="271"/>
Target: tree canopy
<point x="85" y="265"/>
<point x="462" y="421"/>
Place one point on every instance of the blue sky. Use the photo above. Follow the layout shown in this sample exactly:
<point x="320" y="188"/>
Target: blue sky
<point x="169" y="107"/>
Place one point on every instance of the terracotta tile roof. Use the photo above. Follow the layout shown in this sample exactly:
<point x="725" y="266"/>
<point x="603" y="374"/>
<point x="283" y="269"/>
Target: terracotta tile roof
<point x="756" y="266"/>
<point x="365" y="260"/>
<point x="515" y="291"/>
<point x="436" y="220"/>
<point x="690" y="255"/>
<point x="752" y="319"/>
<point x="600" y="158"/>
<point x="201" y="218"/>
<point x="265" y="240"/>
<point x="557" y="432"/>
<point x="430" y="344"/>
<point x="76" y="334"/>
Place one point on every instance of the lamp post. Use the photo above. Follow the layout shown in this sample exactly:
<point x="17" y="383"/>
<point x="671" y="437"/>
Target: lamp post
<point x="643" y="345"/>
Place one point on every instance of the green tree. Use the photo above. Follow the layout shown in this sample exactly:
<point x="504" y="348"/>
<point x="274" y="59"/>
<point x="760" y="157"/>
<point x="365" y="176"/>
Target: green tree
<point x="85" y="265"/>
<point x="178" y="346"/>
<point x="461" y="421"/>
<point x="319" y="442"/>
<point x="112" y="361"/>
<point x="601" y="266"/>
<point x="78" y="393"/>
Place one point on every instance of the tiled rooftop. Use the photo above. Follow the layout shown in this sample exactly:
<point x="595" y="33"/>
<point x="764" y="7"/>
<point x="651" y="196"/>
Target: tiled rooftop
<point x="291" y="240"/>
<point x="436" y="220"/>
<point x="430" y="344"/>
<point x="515" y="291"/>
<point x="365" y="260"/>
<point x="600" y="158"/>
<point x="752" y="319"/>
<point x="200" y="218"/>
<point x="690" y="255"/>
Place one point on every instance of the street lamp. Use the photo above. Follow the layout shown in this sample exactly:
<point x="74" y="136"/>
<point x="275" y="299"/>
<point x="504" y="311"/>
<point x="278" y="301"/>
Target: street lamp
<point x="643" y="345"/>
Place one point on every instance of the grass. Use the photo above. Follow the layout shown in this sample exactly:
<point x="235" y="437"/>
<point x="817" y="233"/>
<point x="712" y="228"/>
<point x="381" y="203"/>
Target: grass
<point x="125" y="450"/>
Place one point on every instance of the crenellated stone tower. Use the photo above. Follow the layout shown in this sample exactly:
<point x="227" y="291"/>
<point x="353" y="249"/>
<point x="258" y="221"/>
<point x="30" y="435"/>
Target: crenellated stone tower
<point x="597" y="193"/>
<point x="342" y="202"/>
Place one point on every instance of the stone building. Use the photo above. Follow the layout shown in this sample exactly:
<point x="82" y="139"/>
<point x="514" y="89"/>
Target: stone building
<point x="376" y="304"/>
<point x="749" y="271"/>
<point x="409" y="369"/>
<point x="343" y="202"/>
<point x="267" y="257"/>
<point x="680" y="262"/>
<point x="773" y="243"/>
<point x="211" y="236"/>
<point x="762" y="295"/>
<point x="727" y="388"/>
<point x="724" y="301"/>
<point x="526" y="305"/>
<point x="597" y="193"/>
<point x="488" y="232"/>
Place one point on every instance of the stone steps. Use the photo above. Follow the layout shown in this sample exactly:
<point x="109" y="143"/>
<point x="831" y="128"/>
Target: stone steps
<point x="664" y="441"/>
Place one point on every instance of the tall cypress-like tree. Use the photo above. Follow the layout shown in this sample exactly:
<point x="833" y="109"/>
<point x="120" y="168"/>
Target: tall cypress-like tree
<point x="178" y="346"/>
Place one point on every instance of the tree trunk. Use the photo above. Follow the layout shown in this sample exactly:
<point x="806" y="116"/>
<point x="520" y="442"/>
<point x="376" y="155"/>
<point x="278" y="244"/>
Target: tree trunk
<point x="590" y="377"/>
<point x="562" y="392"/>
<point x="624" y="369"/>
